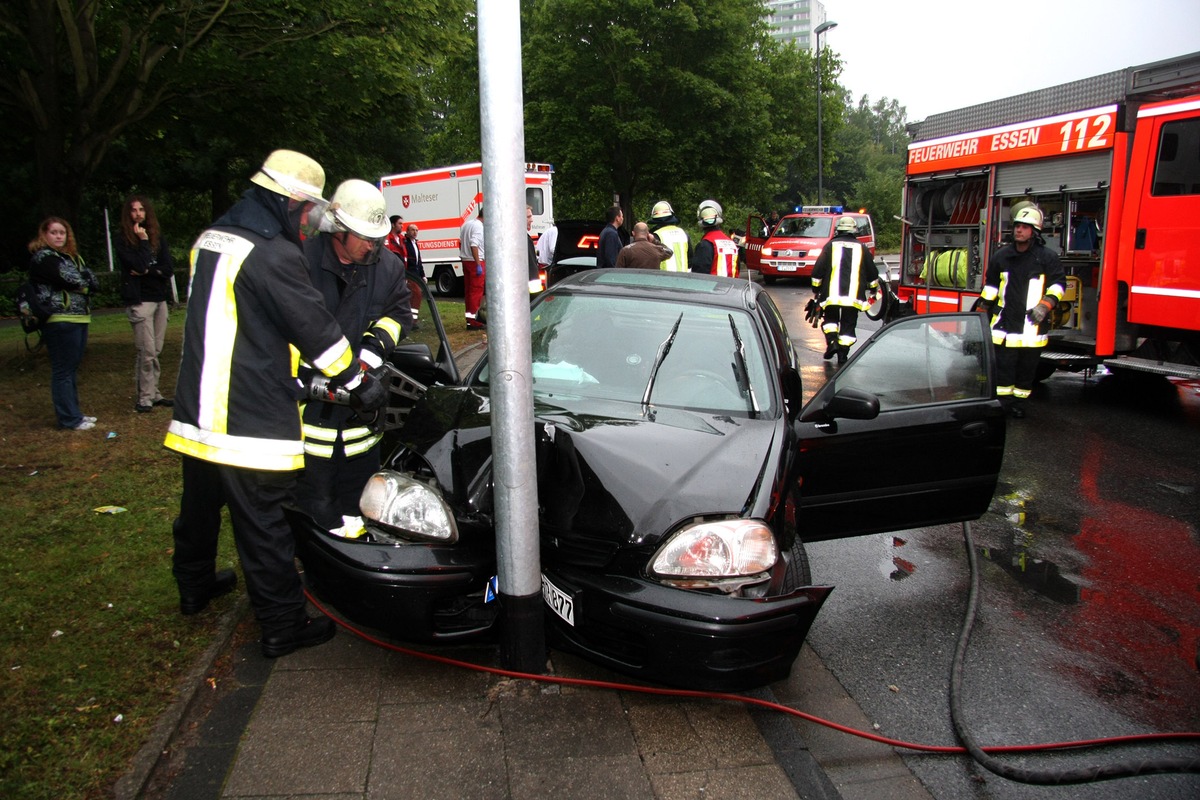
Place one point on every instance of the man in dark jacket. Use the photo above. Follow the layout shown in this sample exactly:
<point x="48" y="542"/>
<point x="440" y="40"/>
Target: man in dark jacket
<point x="610" y="239"/>
<point x="363" y="284"/>
<point x="643" y="252"/>
<point x="1033" y="281"/>
<point x="236" y="419"/>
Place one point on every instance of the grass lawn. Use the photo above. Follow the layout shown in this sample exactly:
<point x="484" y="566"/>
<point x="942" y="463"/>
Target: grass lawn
<point x="93" y="645"/>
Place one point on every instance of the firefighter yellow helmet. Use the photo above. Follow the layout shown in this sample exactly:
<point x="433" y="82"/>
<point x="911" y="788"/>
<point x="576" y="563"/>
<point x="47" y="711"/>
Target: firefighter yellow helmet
<point x="1030" y="215"/>
<point x="661" y="209"/>
<point x="710" y="213"/>
<point x="846" y="225"/>
<point x="359" y="207"/>
<point x="293" y="175"/>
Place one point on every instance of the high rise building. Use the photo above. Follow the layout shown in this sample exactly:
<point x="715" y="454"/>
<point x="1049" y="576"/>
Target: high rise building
<point x="795" y="20"/>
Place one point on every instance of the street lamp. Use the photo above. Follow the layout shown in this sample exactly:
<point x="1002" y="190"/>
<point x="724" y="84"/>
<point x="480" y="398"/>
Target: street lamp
<point x="824" y="26"/>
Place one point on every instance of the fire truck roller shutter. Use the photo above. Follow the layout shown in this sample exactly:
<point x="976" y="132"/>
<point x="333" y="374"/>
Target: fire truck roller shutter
<point x="1053" y="175"/>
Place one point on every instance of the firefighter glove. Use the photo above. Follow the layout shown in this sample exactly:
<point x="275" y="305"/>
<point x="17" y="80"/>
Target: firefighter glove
<point x="983" y="306"/>
<point x="1039" y="312"/>
<point x="812" y="312"/>
<point x="369" y="395"/>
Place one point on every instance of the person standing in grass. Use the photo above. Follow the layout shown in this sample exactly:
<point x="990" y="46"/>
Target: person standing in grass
<point x="63" y="286"/>
<point x="146" y="269"/>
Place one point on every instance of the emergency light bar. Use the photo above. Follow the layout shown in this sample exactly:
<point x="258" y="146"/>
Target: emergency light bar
<point x="819" y="209"/>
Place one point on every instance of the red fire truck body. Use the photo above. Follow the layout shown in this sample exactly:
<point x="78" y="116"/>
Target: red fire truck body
<point x="1113" y="162"/>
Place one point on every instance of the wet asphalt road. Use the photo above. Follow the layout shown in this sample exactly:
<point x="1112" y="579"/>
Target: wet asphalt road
<point x="1089" y="612"/>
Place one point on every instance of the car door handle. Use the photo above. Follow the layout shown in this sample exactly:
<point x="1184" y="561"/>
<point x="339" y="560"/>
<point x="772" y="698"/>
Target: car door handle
<point x="973" y="430"/>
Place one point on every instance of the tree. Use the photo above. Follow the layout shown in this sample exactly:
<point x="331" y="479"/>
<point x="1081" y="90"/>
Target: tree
<point x="649" y="98"/>
<point x="75" y="74"/>
<point x="870" y="155"/>
<point x="184" y="98"/>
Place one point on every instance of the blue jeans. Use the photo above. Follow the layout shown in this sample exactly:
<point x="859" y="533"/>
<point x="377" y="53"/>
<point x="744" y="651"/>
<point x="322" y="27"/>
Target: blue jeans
<point x="65" y="342"/>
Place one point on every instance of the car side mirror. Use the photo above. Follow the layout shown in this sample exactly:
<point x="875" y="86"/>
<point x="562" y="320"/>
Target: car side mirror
<point x="850" y="403"/>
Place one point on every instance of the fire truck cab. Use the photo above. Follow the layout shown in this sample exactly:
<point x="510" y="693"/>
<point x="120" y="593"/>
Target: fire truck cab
<point x="1113" y="162"/>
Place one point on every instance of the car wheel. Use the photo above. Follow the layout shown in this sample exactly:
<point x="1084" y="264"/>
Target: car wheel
<point x="1044" y="370"/>
<point x="799" y="571"/>
<point x="443" y="280"/>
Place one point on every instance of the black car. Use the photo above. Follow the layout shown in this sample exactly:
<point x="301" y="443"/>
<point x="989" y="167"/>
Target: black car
<point x="678" y="477"/>
<point x="575" y="247"/>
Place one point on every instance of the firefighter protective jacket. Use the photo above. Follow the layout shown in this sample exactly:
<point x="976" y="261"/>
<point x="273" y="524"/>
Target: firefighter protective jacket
<point x="1015" y="282"/>
<point x="676" y="239"/>
<point x="369" y="302"/>
<point x="251" y="310"/>
<point x="716" y="254"/>
<point x="845" y="273"/>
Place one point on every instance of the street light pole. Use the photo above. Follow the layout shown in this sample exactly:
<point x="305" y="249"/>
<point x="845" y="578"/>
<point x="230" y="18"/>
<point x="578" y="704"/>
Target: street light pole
<point x="824" y="26"/>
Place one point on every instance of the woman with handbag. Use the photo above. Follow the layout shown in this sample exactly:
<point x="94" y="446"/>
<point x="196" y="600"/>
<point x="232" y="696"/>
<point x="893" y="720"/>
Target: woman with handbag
<point x="64" y="285"/>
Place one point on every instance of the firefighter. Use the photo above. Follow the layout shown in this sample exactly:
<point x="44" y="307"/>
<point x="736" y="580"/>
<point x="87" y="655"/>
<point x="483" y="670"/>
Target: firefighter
<point x="363" y="283"/>
<point x="236" y="419"/>
<point x="716" y="253"/>
<point x="844" y="279"/>
<point x="1023" y="284"/>
<point x="665" y="225"/>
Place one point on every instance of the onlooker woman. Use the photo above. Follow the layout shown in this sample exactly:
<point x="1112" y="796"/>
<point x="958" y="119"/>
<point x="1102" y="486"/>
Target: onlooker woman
<point x="146" y="269"/>
<point x="63" y="285"/>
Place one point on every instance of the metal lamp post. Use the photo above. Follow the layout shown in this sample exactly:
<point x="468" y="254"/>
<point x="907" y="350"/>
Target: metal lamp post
<point x="824" y="26"/>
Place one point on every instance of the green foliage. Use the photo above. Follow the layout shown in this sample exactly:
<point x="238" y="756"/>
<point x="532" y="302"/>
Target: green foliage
<point x="869" y="159"/>
<point x="647" y="99"/>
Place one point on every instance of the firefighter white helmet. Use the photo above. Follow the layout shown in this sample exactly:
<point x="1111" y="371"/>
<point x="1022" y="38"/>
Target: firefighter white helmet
<point x="359" y="207"/>
<point x="710" y="213"/>
<point x="661" y="209"/>
<point x="846" y="225"/>
<point x="293" y="175"/>
<point x="1030" y="215"/>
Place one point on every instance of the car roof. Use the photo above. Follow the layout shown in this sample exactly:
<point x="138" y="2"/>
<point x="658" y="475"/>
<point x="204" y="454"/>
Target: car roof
<point x="825" y="214"/>
<point x="691" y="287"/>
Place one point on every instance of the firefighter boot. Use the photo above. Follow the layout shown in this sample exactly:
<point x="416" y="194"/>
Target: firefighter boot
<point x="831" y="346"/>
<point x="1017" y="409"/>
<point x="843" y="352"/>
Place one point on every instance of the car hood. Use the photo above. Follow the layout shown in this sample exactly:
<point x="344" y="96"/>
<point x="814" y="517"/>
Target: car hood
<point x="606" y="470"/>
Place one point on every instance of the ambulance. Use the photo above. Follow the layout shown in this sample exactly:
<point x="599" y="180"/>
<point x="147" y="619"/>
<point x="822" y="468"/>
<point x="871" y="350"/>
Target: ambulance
<point x="1113" y="162"/>
<point x="440" y="200"/>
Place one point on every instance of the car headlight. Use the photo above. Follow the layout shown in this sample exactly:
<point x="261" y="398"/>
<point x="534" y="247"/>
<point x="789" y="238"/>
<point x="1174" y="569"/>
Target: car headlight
<point x="768" y="252"/>
<point x="816" y="251"/>
<point x="731" y="548"/>
<point x="408" y="507"/>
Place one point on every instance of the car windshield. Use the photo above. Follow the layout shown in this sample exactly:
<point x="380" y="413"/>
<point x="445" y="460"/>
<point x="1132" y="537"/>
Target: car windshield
<point x="605" y="347"/>
<point x="814" y="227"/>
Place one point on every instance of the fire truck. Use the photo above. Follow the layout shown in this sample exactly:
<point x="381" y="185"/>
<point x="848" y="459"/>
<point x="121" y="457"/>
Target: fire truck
<point x="440" y="200"/>
<point x="1113" y="162"/>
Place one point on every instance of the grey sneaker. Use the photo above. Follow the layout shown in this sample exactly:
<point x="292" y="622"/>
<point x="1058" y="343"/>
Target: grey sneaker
<point x="85" y="425"/>
<point x="90" y="419"/>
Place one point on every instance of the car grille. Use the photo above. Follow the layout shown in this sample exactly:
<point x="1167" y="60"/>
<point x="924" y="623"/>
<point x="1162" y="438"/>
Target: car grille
<point x="577" y="551"/>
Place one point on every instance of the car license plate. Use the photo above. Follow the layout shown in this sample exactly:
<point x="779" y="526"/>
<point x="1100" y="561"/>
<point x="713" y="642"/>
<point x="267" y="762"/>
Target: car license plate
<point x="559" y="601"/>
<point x="787" y="268"/>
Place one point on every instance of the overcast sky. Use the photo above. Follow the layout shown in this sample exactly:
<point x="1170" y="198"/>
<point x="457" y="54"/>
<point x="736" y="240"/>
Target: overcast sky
<point x="938" y="55"/>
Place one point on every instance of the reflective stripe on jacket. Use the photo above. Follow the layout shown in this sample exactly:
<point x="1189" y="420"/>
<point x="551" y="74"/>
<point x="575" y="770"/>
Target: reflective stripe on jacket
<point x="251" y="311"/>
<point x="844" y="274"/>
<point x="725" y="252"/>
<point x="675" y="238"/>
<point x="1016" y="282"/>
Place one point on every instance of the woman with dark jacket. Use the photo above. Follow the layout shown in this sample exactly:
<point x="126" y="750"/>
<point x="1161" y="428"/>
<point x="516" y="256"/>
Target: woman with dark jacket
<point x="63" y="285"/>
<point x="146" y="269"/>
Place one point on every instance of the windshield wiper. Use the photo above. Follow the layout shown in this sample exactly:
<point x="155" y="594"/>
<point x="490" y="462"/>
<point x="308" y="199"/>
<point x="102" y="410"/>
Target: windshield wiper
<point x="740" y="370"/>
<point x="663" y="349"/>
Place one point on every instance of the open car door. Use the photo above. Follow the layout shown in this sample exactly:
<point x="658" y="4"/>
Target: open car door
<point x="757" y="232"/>
<point x="908" y="433"/>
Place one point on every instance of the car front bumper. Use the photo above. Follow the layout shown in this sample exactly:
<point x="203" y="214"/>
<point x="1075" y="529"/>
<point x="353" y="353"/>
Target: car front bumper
<point x="421" y="592"/>
<point x="680" y="637"/>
